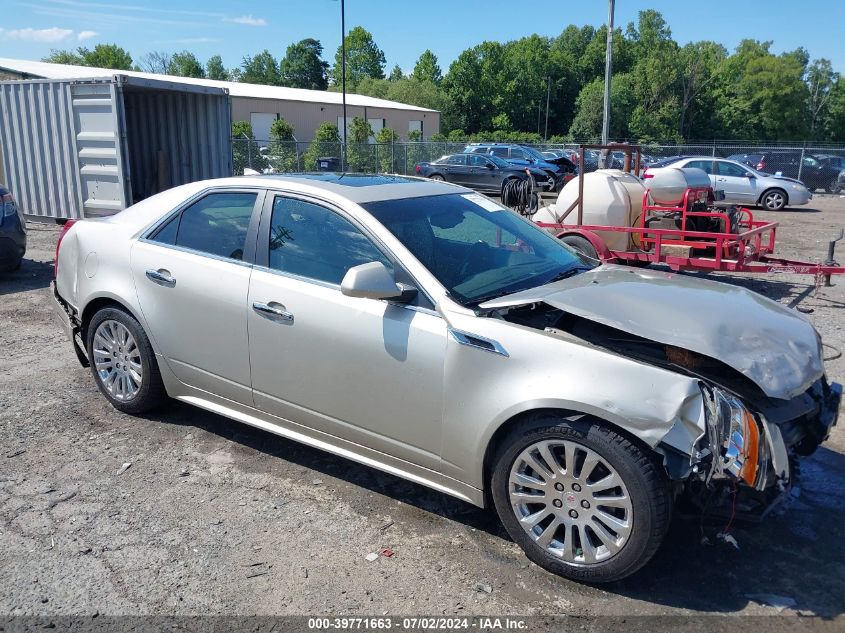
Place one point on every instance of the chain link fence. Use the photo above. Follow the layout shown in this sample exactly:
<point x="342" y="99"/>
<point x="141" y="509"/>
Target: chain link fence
<point x="401" y="157"/>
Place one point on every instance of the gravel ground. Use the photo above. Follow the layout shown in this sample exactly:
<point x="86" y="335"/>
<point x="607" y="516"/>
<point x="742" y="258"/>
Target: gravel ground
<point x="215" y="517"/>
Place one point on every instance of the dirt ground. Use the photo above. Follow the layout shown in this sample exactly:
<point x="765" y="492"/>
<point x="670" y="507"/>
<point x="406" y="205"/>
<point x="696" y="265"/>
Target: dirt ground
<point x="215" y="517"/>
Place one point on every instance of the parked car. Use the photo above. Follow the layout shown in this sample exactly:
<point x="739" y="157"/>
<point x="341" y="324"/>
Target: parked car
<point x="742" y="184"/>
<point x="840" y="182"/>
<point x="486" y="173"/>
<point x="561" y="169"/>
<point x="835" y="162"/>
<point x="422" y="329"/>
<point x="813" y="172"/>
<point x="12" y="232"/>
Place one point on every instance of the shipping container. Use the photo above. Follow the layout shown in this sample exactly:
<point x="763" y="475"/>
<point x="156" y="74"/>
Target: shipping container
<point x="92" y="147"/>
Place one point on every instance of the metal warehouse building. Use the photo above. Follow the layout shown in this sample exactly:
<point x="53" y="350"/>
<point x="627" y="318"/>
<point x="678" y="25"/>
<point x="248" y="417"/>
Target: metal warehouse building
<point x="81" y="141"/>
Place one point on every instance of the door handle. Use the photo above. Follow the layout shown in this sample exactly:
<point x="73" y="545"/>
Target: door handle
<point x="161" y="277"/>
<point x="272" y="312"/>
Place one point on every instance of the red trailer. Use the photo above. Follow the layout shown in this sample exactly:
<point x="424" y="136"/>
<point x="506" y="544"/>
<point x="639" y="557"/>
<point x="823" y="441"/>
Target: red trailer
<point x="735" y="241"/>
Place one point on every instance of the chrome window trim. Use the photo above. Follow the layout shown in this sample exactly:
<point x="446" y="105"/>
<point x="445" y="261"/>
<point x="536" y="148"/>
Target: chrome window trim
<point x="462" y="337"/>
<point x="151" y="228"/>
<point x="192" y="251"/>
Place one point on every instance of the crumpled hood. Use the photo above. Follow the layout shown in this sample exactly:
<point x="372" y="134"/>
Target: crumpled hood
<point x="774" y="346"/>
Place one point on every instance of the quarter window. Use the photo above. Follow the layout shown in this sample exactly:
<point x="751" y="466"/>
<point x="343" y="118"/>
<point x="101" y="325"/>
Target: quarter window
<point x="311" y="241"/>
<point x="216" y="224"/>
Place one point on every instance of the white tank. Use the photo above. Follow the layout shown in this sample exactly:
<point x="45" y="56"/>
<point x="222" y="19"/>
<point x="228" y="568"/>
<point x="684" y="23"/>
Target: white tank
<point x="611" y="198"/>
<point x="668" y="184"/>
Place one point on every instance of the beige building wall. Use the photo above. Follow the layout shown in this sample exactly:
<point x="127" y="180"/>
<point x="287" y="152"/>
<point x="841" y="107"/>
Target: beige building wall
<point x="306" y="116"/>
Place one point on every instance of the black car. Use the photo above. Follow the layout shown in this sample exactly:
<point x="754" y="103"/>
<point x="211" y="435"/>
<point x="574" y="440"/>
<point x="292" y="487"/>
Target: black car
<point x="12" y="232"/>
<point x="811" y="170"/>
<point x="560" y="168"/>
<point x="482" y="172"/>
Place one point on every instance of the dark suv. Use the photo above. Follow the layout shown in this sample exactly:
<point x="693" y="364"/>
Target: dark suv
<point x="561" y="169"/>
<point x="815" y="172"/>
<point x="12" y="232"/>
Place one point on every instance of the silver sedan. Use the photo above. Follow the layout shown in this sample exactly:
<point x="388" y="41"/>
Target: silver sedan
<point x="744" y="185"/>
<point x="422" y="329"/>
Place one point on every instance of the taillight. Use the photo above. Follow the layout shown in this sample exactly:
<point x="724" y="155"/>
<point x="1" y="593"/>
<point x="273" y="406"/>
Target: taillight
<point x="417" y="168"/>
<point x="761" y="165"/>
<point x="64" y="230"/>
<point x="647" y="175"/>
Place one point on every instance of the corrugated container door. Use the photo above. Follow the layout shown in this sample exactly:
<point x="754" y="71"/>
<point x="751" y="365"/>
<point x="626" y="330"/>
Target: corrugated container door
<point x="97" y="119"/>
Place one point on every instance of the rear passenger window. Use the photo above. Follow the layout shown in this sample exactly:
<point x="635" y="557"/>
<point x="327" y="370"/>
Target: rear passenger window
<point x="311" y="241"/>
<point x="216" y="224"/>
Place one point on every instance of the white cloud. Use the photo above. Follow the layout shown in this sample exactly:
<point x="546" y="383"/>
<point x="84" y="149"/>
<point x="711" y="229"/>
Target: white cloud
<point x="248" y="20"/>
<point x="54" y="34"/>
<point x="85" y="35"/>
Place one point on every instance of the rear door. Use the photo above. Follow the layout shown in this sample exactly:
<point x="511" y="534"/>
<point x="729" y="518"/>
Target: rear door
<point x="707" y="166"/>
<point x="483" y="174"/>
<point x="192" y="278"/>
<point x="457" y="170"/>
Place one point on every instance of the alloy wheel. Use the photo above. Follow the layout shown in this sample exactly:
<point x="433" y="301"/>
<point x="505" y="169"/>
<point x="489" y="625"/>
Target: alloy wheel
<point x="773" y="200"/>
<point x="570" y="501"/>
<point x="117" y="360"/>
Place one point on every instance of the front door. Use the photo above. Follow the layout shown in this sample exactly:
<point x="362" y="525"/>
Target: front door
<point x="364" y="370"/>
<point x="739" y="183"/>
<point x="192" y="282"/>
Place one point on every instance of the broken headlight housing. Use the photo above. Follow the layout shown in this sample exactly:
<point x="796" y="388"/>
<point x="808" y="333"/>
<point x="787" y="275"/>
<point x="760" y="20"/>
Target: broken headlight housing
<point x="734" y="439"/>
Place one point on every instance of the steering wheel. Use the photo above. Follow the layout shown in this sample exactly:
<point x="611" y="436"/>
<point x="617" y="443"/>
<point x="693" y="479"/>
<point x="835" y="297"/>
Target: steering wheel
<point x="477" y="251"/>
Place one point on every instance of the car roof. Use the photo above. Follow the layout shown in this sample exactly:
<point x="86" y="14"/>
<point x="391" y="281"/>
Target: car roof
<point x="362" y="187"/>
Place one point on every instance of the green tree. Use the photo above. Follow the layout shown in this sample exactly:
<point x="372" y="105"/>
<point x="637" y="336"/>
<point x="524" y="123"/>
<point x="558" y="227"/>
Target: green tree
<point x="699" y="64"/>
<point x="363" y="58"/>
<point x="245" y="152"/>
<point x="101" y="56"/>
<point x="587" y="124"/>
<point x="302" y="66"/>
<point x="396" y="74"/>
<point x="326" y="143"/>
<point x="833" y="123"/>
<point x="388" y="156"/>
<point x="282" y="149"/>
<point x="261" y="69"/>
<point x="359" y="151"/>
<point x="185" y="64"/>
<point x="473" y="85"/>
<point x="214" y="69"/>
<point x="426" y="68"/>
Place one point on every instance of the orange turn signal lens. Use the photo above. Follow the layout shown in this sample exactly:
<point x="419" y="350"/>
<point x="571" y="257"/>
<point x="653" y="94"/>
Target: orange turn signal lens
<point x="752" y="450"/>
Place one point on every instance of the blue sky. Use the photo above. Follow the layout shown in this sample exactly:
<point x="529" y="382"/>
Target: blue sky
<point x="402" y="28"/>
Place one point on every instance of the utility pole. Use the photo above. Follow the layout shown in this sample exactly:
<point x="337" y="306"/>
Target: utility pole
<point x="343" y="76"/>
<point x="608" y="65"/>
<point x="548" y="93"/>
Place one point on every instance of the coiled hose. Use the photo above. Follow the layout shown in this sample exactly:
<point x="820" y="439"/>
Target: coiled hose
<point x="521" y="195"/>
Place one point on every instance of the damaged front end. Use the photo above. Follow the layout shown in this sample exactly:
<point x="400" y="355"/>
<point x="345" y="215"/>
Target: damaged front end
<point x="745" y="463"/>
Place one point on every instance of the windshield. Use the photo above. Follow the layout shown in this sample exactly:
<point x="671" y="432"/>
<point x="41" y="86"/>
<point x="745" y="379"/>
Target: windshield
<point x="533" y="153"/>
<point x="476" y="248"/>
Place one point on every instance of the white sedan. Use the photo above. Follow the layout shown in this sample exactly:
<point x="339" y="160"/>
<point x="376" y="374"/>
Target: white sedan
<point x="743" y="185"/>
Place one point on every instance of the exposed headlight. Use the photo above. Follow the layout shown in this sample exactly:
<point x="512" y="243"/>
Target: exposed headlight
<point x="798" y="187"/>
<point x="734" y="437"/>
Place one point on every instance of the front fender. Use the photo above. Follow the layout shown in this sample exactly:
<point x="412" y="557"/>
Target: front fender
<point x="546" y="371"/>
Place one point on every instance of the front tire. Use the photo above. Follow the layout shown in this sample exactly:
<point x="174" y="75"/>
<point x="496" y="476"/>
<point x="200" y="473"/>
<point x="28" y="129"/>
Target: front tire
<point x="581" y="500"/>
<point x="123" y="362"/>
<point x="773" y="200"/>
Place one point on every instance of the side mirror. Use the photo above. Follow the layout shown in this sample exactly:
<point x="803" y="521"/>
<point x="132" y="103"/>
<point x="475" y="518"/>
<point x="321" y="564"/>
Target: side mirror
<point x="374" y="281"/>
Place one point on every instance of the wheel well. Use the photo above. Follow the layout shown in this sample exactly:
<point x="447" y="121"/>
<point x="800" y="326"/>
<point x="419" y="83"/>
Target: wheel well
<point x="507" y="425"/>
<point x="783" y="191"/>
<point x="91" y="309"/>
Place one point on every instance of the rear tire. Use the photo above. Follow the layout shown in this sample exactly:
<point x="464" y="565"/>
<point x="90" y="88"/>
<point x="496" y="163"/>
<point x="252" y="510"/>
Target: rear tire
<point x="123" y="362"/>
<point x="436" y="177"/>
<point x="568" y="530"/>
<point x="773" y="199"/>
<point x="834" y="186"/>
<point x="581" y="244"/>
